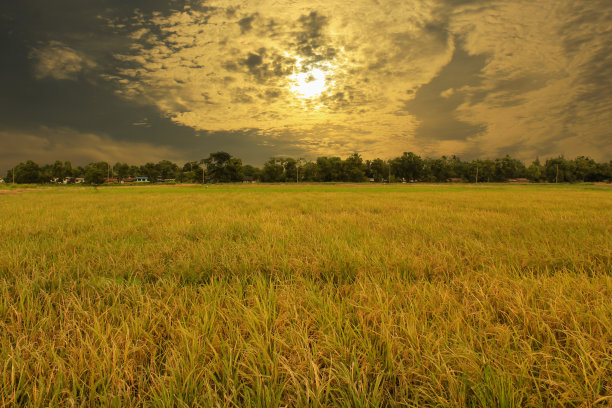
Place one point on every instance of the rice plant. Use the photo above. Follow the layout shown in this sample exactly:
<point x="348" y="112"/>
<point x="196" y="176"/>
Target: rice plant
<point x="314" y="295"/>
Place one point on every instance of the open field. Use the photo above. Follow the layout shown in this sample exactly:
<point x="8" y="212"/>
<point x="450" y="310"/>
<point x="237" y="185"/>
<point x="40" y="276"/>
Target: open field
<point x="315" y="295"/>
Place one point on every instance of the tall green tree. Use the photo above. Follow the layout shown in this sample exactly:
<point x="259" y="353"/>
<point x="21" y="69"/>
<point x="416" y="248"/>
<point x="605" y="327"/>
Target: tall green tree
<point x="68" y="168"/>
<point x="167" y="169"/>
<point x="221" y="167"/>
<point x="309" y="171"/>
<point x="354" y="168"/>
<point x="290" y="166"/>
<point x="438" y="169"/>
<point x="557" y="170"/>
<point x="234" y="171"/>
<point x="149" y="170"/>
<point x="409" y="166"/>
<point x="586" y="169"/>
<point x="58" y="170"/>
<point x="121" y="170"/>
<point x="330" y="169"/>
<point x="251" y="173"/>
<point x="28" y="172"/>
<point x="378" y="169"/>
<point x="95" y="173"/>
<point x="273" y="171"/>
<point x="192" y="172"/>
<point x="535" y="171"/>
<point x="508" y="167"/>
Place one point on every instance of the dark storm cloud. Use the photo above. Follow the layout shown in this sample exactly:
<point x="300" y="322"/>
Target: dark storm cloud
<point x="246" y="23"/>
<point x="584" y="25"/>
<point x="86" y="108"/>
<point x="80" y="25"/>
<point x="266" y="66"/>
<point x="310" y="36"/>
<point x="242" y="96"/>
<point x="272" y="94"/>
<point x="508" y="92"/>
<point x="253" y="61"/>
<point x="435" y="104"/>
<point x="45" y="86"/>
<point x="310" y="39"/>
<point x="183" y="78"/>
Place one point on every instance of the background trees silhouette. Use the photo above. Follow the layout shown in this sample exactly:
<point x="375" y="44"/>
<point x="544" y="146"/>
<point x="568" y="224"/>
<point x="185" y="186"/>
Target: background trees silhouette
<point x="408" y="167"/>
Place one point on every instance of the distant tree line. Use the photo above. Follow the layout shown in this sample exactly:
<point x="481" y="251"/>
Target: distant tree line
<point x="409" y="167"/>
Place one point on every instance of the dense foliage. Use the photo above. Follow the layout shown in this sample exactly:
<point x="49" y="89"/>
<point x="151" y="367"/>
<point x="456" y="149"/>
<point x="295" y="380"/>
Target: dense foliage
<point x="409" y="167"/>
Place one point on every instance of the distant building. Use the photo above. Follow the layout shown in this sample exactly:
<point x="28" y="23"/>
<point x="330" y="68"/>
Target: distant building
<point x="79" y="180"/>
<point x="128" y="180"/>
<point x="142" y="179"/>
<point x="1" y="181"/>
<point x="109" y="180"/>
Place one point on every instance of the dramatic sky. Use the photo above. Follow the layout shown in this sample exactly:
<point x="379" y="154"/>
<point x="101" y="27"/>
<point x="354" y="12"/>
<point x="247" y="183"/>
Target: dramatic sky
<point x="145" y="80"/>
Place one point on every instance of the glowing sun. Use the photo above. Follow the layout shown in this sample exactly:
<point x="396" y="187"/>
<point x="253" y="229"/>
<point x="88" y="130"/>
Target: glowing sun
<point x="309" y="84"/>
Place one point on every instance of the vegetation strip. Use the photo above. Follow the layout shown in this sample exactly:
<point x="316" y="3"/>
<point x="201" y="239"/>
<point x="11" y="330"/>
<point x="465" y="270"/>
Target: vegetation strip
<point x="409" y="167"/>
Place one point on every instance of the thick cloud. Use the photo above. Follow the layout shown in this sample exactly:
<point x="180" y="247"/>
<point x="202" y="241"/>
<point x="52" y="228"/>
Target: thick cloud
<point x="58" y="61"/>
<point x="544" y="85"/>
<point x="435" y="104"/>
<point x="255" y="64"/>
<point x="46" y="145"/>
<point x="266" y="77"/>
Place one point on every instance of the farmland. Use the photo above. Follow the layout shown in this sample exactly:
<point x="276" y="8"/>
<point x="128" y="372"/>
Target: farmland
<point x="310" y="295"/>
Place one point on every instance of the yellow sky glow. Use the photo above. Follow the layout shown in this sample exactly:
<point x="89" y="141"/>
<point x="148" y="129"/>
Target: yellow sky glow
<point x="334" y="80"/>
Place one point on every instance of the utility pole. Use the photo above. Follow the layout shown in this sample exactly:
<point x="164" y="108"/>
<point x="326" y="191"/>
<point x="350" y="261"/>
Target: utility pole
<point x="297" y="169"/>
<point x="476" y="174"/>
<point x="557" y="176"/>
<point x="13" y="175"/>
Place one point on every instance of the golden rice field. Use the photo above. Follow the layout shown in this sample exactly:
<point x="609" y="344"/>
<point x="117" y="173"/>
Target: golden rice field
<point x="314" y="295"/>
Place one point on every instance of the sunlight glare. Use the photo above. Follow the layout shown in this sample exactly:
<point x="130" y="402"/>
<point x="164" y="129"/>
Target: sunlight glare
<point x="309" y="84"/>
